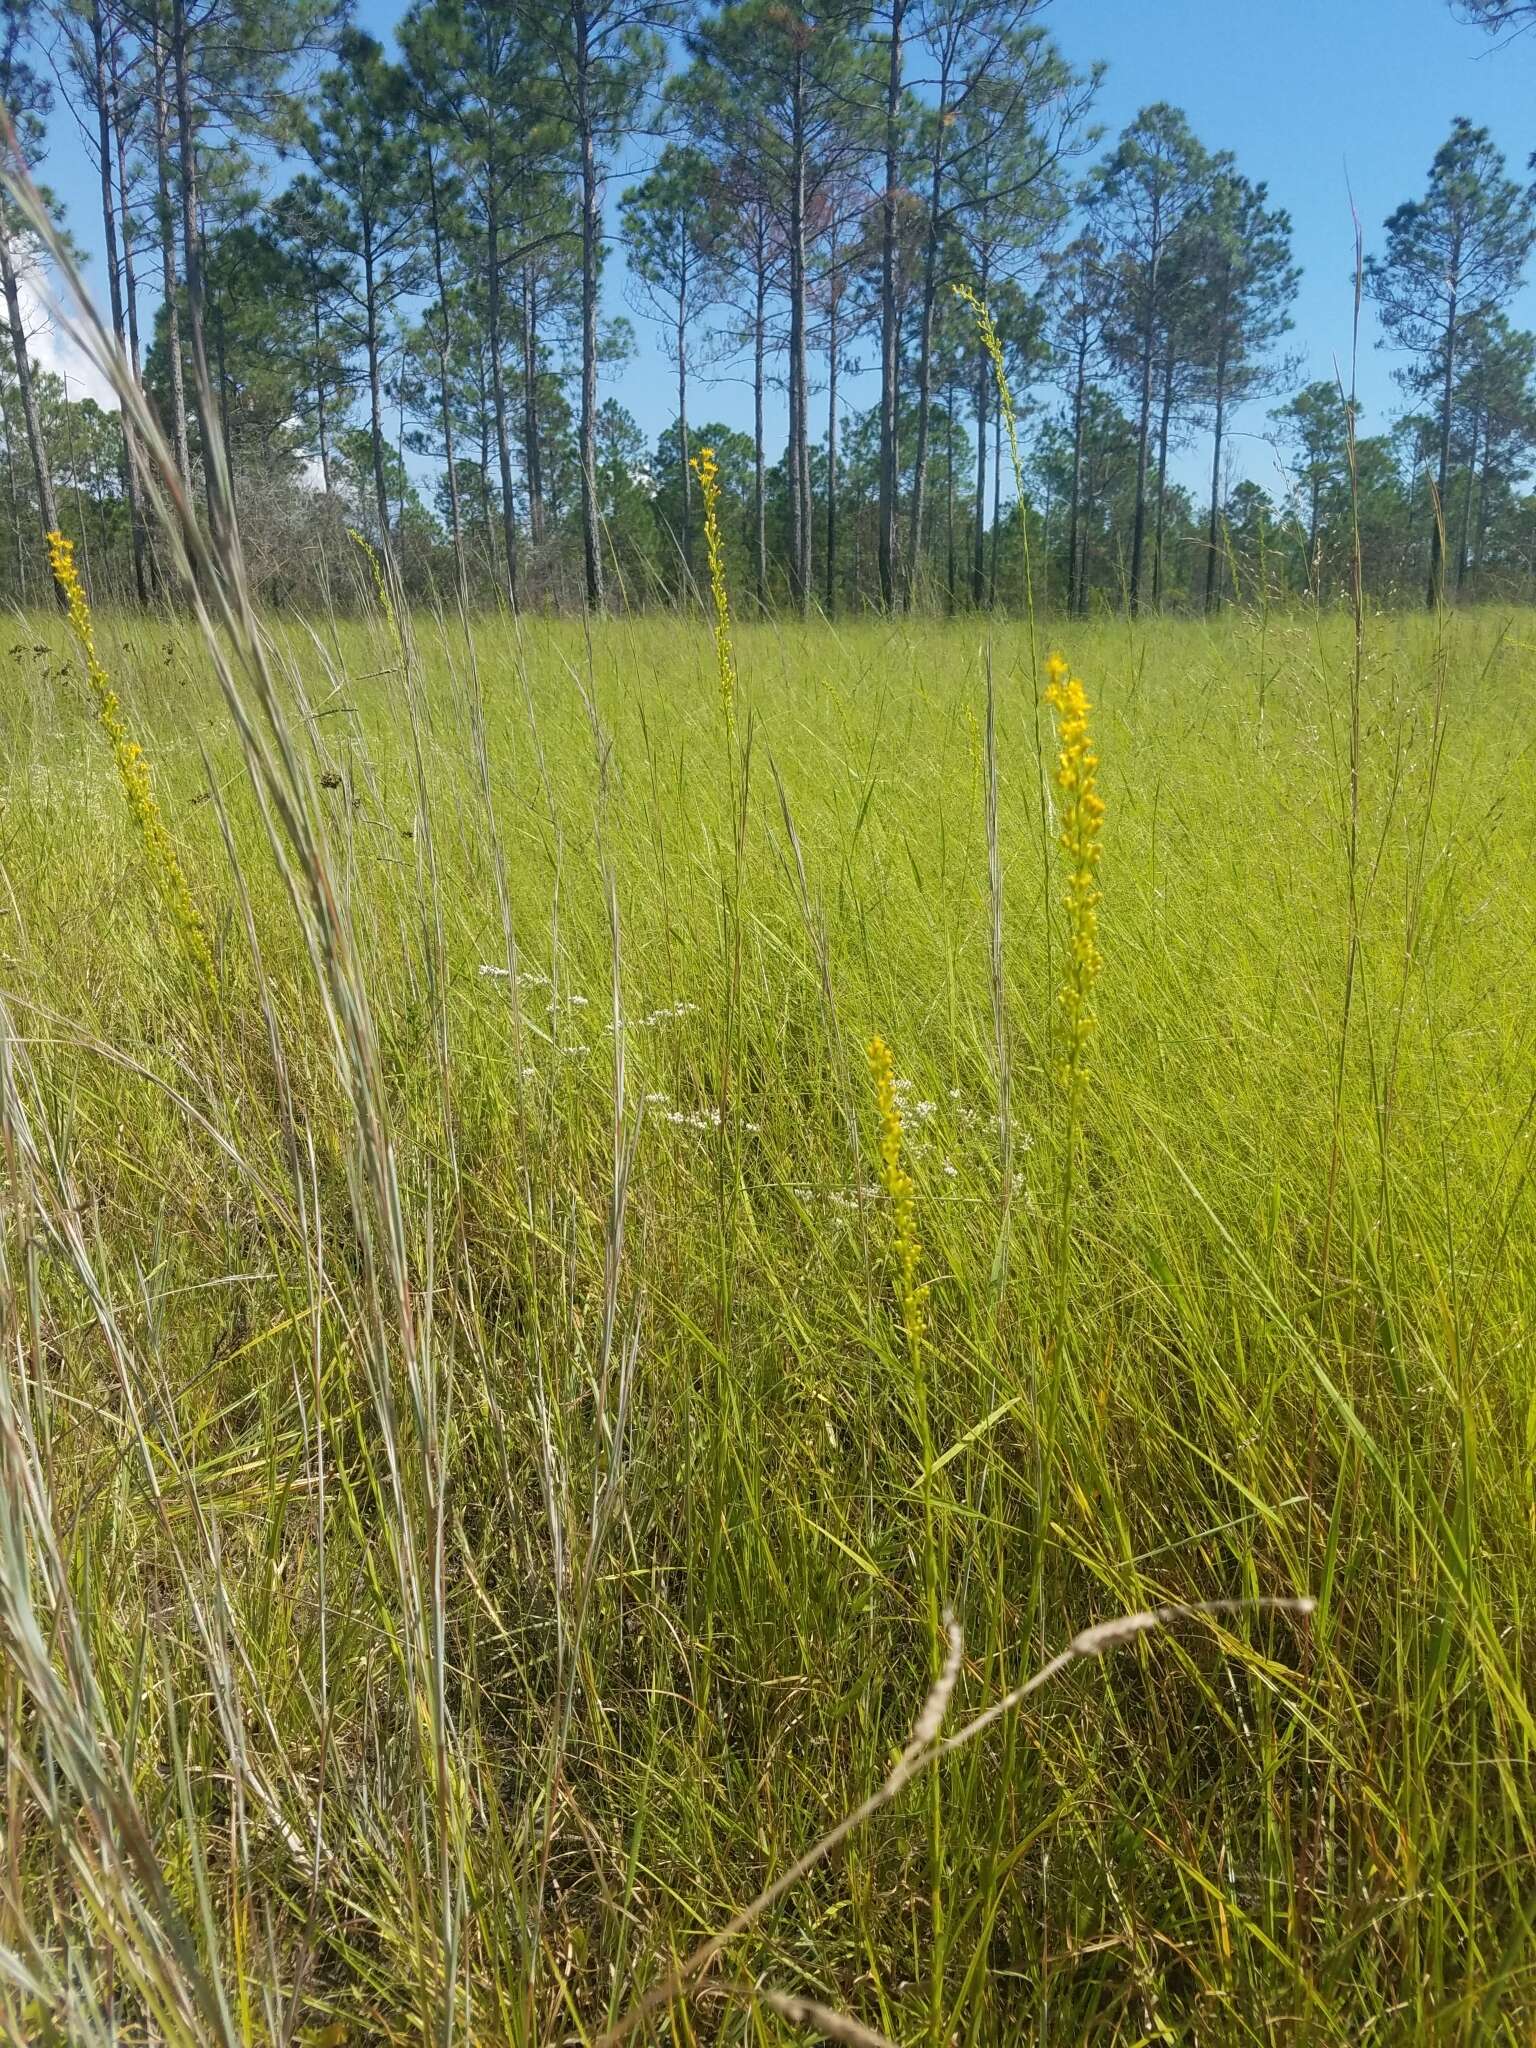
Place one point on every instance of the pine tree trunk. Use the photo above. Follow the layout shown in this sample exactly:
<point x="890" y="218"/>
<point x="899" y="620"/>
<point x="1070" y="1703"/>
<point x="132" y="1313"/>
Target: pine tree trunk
<point x="591" y="539"/>
<point x="1484" y="484"/>
<point x="830" y="572"/>
<point x="224" y="440"/>
<point x="130" y="280"/>
<point x="1143" y="441"/>
<point x="320" y="423"/>
<point x="1074" y="513"/>
<point x="192" y="269"/>
<point x="169" y="295"/>
<point x="1464" y="547"/>
<point x="759" y="476"/>
<point x="102" y="93"/>
<point x="799" y="437"/>
<point x="997" y="503"/>
<point x="1213" y="524"/>
<point x="949" y="492"/>
<point x="925" y="357"/>
<point x="15" y="497"/>
<point x="1165" y="415"/>
<point x="1436" y="590"/>
<point x="487" y="526"/>
<point x="983" y="394"/>
<point x="445" y="399"/>
<point x="681" y="338"/>
<point x="375" y="381"/>
<point x="889" y="334"/>
<point x="499" y="386"/>
<point x="533" y="467"/>
<point x="47" y="506"/>
<point x="1314" y="513"/>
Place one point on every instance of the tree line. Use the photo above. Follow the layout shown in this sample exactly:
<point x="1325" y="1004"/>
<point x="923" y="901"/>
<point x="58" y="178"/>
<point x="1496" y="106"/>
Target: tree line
<point x="363" y="290"/>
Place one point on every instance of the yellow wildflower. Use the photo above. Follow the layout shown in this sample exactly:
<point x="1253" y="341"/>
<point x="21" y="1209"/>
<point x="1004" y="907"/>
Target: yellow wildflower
<point x="707" y="470"/>
<point x="899" y="1186"/>
<point x="1082" y="821"/>
<point x="992" y="343"/>
<point x="379" y="584"/>
<point x="132" y="767"/>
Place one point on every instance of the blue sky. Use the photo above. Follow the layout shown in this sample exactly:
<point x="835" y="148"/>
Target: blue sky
<point x="1319" y="98"/>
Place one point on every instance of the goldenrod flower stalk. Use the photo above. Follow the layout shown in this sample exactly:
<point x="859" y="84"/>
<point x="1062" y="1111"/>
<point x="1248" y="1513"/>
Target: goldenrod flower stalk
<point x="707" y="470"/>
<point x="1081" y="828"/>
<point x="911" y="1294"/>
<point x="379" y="584"/>
<point x="132" y="767"/>
<point x="992" y="343"/>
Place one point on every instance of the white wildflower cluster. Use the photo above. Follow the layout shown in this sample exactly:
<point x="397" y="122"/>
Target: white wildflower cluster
<point x="694" y="1119"/>
<point x="707" y="1119"/>
<point x="662" y="1015"/>
<point x="489" y="971"/>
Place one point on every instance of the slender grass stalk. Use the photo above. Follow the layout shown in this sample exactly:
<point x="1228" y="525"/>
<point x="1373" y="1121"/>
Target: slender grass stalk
<point x="928" y="1747"/>
<point x="912" y="1300"/>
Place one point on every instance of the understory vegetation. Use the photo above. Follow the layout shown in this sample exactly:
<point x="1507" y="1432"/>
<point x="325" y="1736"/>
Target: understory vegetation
<point x="504" y="1379"/>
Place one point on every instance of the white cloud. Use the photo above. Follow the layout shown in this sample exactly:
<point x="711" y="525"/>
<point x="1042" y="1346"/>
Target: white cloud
<point x="52" y="347"/>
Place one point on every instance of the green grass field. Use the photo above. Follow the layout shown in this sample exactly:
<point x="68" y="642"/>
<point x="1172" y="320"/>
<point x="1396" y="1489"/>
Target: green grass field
<point x="471" y="1513"/>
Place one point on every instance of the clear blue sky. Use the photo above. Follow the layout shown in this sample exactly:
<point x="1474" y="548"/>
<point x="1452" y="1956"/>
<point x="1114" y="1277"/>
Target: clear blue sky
<point x="1316" y="97"/>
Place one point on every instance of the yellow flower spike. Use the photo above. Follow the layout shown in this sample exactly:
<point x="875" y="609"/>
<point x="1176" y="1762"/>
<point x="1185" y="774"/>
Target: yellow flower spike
<point x="911" y="1293"/>
<point x="992" y="343"/>
<point x="132" y="767"/>
<point x="1080" y="834"/>
<point x="362" y="541"/>
<point x="707" y="470"/>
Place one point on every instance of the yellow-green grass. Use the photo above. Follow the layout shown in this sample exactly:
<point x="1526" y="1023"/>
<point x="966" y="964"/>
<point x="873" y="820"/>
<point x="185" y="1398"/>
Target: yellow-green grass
<point x="485" y="1539"/>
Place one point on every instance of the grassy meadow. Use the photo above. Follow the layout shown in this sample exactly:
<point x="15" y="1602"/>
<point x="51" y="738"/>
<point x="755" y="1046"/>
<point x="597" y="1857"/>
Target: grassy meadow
<point x="472" y="1510"/>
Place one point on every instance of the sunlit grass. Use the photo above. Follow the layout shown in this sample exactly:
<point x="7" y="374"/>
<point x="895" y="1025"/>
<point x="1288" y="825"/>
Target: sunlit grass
<point x="483" y="1519"/>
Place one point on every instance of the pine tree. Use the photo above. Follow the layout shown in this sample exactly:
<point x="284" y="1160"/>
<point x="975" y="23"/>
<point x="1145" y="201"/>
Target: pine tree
<point x="1139" y="201"/>
<point x="1452" y="259"/>
<point x="1248" y="284"/>
<point x="665" y="227"/>
<point x="360" y="141"/>
<point x="26" y="96"/>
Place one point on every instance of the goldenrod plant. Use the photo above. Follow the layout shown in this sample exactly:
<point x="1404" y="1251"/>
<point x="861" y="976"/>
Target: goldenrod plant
<point x="707" y="470"/>
<point x="380" y="585"/>
<point x="911" y="1293"/>
<point x="1080" y="835"/>
<point x="132" y="768"/>
<point x="991" y="341"/>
